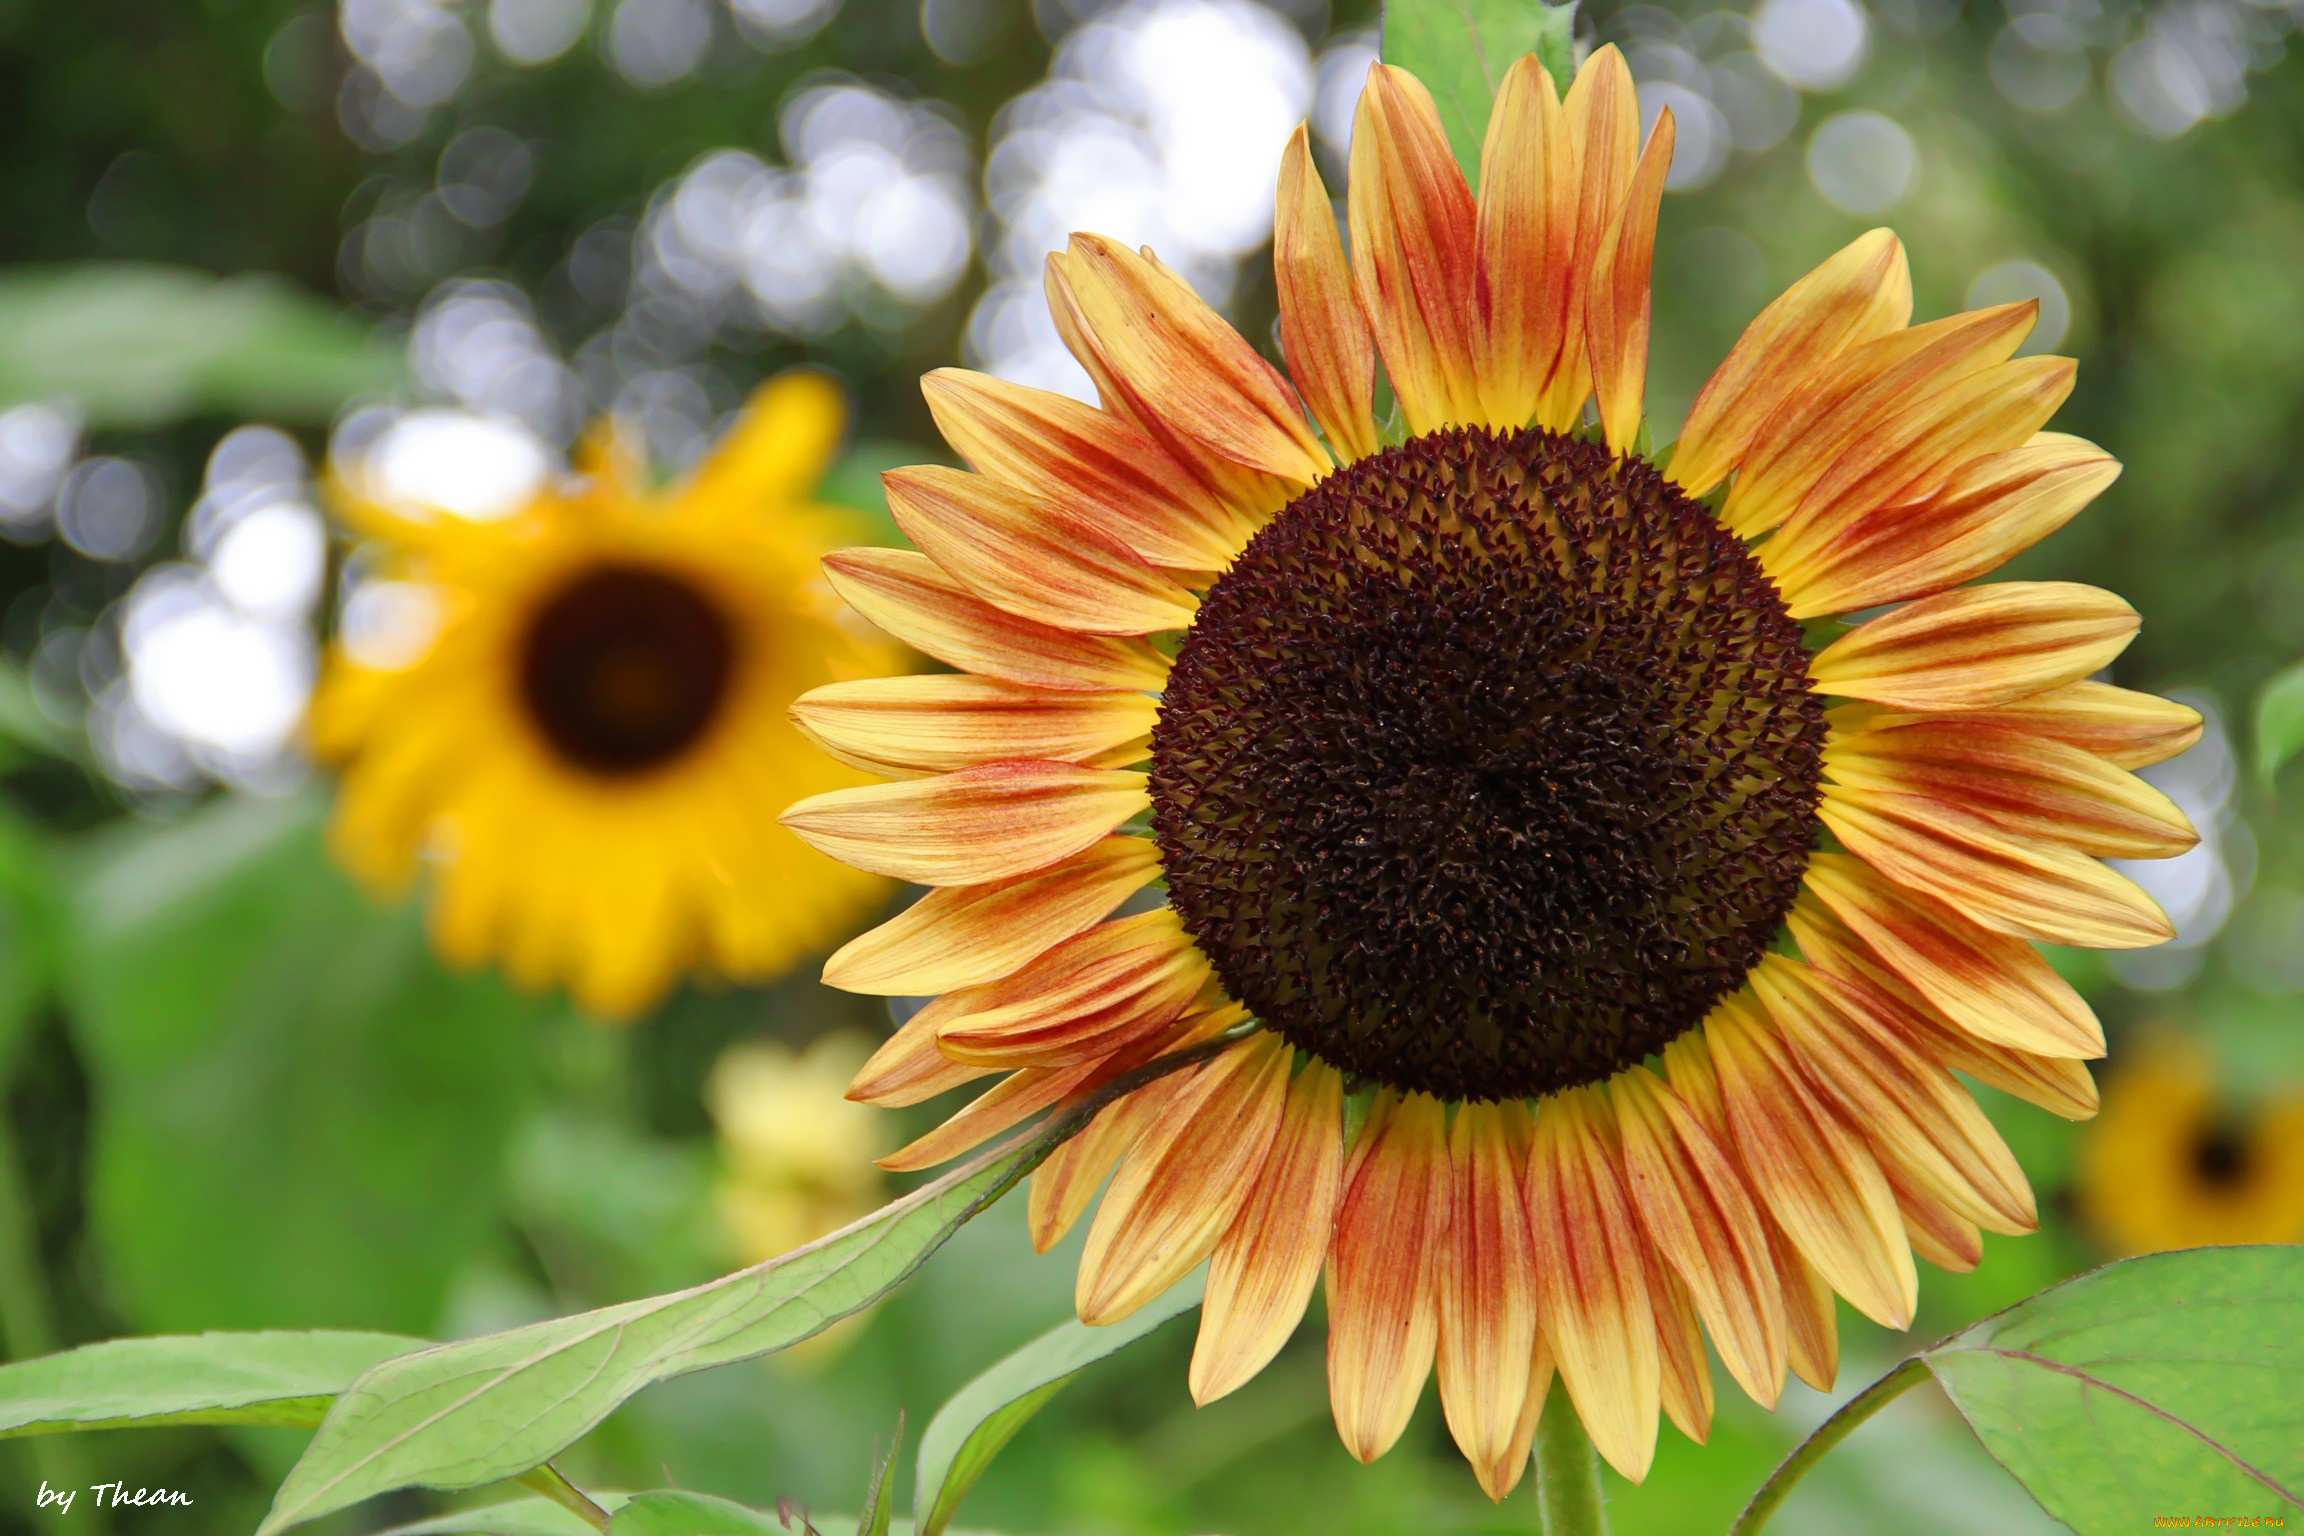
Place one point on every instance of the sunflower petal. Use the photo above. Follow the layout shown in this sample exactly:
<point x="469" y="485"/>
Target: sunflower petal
<point x="1487" y="1297"/>
<point x="1861" y="402"/>
<point x="1696" y="1209"/>
<point x="1112" y="476"/>
<point x="970" y="827"/>
<point x="2060" y="1085"/>
<point x="1616" y="307"/>
<point x="1330" y="350"/>
<point x="1526" y="227"/>
<point x="1978" y="646"/>
<point x="942" y="721"/>
<point x="2026" y="786"/>
<point x="1989" y="511"/>
<point x="1091" y="995"/>
<point x="1186" y="363"/>
<point x="1859" y="1047"/>
<point x="1184" y="1180"/>
<point x="1602" y="116"/>
<point x="1684" y="1374"/>
<point x="1938" y="1234"/>
<point x="782" y="442"/>
<point x="1811" y="1323"/>
<point x="1020" y="553"/>
<point x="1261" y="1275"/>
<point x="908" y="1068"/>
<point x="1593" y="1294"/>
<point x="965" y="935"/>
<point x="1065" y="1183"/>
<point x="2127" y="729"/>
<point x="1860" y="293"/>
<point x="1383" y="1279"/>
<point x="2028" y="890"/>
<point x="1413" y="242"/>
<point x="909" y="595"/>
<point x="1005" y="1105"/>
<point x="1810" y="1168"/>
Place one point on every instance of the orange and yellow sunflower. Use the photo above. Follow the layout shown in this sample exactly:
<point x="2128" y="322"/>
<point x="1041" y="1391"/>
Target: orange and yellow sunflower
<point x="586" y="738"/>
<point x="1590" y="938"/>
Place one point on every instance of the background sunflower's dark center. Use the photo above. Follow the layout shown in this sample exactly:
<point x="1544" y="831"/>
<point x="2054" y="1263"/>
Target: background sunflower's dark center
<point x="2222" y="1157"/>
<point x="625" y="667"/>
<point x="1489" y="767"/>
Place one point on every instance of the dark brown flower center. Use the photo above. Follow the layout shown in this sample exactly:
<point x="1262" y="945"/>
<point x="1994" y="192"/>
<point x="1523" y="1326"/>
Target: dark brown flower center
<point x="1489" y="767"/>
<point x="625" y="667"/>
<point x="2222" y="1157"/>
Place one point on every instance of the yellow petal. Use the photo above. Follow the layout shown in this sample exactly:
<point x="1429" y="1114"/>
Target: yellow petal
<point x="1188" y="365"/>
<point x="1094" y="463"/>
<point x="1024" y="555"/>
<point x="1487" y="1297"/>
<point x="1184" y="1180"/>
<point x="1988" y="512"/>
<point x="1593" y="1281"/>
<point x="1602" y="117"/>
<point x="908" y="1068"/>
<point x="1684" y="1374"/>
<point x="1413" y="238"/>
<point x="1064" y="1184"/>
<point x="778" y="448"/>
<point x="1261" y="1275"/>
<point x="1616" y="309"/>
<point x="961" y="936"/>
<point x="1383" y="1291"/>
<point x="1527" y="242"/>
<point x="1695" y="1208"/>
<point x="1860" y="293"/>
<point x="1978" y="646"/>
<point x="970" y="827"/>
<point x="2028" y="890"/>
<point x="939" y="722"/>
<point x="1331" y="353"/>
<point x="2126" y="729"/>
<point x="1090" y="996"/>
<point x="1811" y="1169"/>
<point x="911" y="597"/>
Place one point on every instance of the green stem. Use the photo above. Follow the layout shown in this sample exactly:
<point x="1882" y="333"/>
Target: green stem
<point x="28" y="1325"/>
<point x="1567" y="1472"/>
<point x="1828" y="1434"/>
<point x="547" y="1481"/>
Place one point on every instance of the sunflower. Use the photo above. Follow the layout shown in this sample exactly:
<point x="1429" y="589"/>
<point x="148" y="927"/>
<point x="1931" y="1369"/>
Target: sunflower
<point x="588" y="744"/>
<point x="1587" y="930"/>
<point x="2176" y="1163"/>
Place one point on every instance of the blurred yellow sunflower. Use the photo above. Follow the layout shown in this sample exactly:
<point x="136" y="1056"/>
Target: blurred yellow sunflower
<point x="797" y="1155"/>
<point x="2174" y="1162"/>
<point x="588" y="746"/>
<point x="1491" y="761"/>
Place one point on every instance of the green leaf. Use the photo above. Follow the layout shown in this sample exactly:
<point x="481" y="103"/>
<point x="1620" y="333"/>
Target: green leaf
<point x="135" y="345"/>
<point x="983" y="1416"/>
<point x="208" y="1378"/>
<point x="2165" y="1385"/>
<point x="1460" y="49"/>
<point x="491" y="1408"/>
<point x="530" y="1515"/>
<point x="880" y="1494"/>
<point x="299" y="1115"/>
<point x="2280" y="721"/>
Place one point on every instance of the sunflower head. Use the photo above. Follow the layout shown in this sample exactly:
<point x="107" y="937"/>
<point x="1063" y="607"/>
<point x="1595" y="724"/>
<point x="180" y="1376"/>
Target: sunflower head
<point x="1575" y="941"/>
<point x="2178" y="1160"/>
<point x="585" y="703"/>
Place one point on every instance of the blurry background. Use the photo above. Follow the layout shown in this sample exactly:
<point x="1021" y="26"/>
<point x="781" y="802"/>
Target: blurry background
<point x="237" y="236"/>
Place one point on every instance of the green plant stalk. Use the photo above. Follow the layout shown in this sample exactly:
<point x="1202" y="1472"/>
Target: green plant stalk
<point x="547" y="1481"/>
<point x="28" y="1327"/>
<point x="1567" y="1472"/>
<point x="1831" y="1432"/>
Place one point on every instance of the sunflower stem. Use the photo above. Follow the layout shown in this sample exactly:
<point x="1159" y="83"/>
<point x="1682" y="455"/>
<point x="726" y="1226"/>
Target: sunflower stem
<point x="548" y="1481"/>
<point x="1567" y="1473"/>
<point x="1908" y="1374"/>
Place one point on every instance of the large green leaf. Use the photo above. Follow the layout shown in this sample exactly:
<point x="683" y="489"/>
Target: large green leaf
<point x="207" y="1378"/>
<point x="2280" y="721"/>
<point x="135" y="345"/>
<point x="491" y="1408"/>
<point x="298" y="1116"/>
<point x="1460" y="49"/>
<point x="2167" y="1385"/>
<point x="672" y="1512"/>
<point x="983" y="1416"/>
